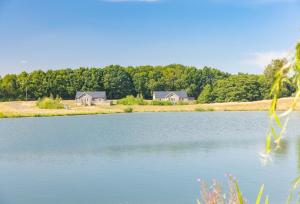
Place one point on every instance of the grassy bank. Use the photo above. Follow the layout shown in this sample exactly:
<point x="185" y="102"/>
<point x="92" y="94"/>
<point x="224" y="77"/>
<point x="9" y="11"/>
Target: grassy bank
<point x="29" y="109"/>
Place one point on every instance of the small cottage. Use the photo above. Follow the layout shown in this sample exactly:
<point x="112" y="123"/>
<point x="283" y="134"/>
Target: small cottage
<point x="90" y="98"/>
<point x="173" y="96"/>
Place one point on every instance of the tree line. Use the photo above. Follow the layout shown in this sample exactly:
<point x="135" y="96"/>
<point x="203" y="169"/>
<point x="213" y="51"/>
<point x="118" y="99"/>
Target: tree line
<point x="207" y="84"/>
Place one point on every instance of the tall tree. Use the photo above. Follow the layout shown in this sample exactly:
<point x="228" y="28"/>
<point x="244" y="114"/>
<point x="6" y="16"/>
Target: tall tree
<point x="270" y="74"/>
<point x="117" y="82"/>
<point x="241" y="87"/>
<point x="10" y="87"/>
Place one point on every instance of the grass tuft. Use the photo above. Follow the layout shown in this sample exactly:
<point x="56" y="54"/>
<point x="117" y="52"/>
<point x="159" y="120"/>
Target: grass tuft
<point x="162" y="103"/>
<point x="199" y="109"/>
<point x="128" y="110"/>
<point x="182" y="103"/>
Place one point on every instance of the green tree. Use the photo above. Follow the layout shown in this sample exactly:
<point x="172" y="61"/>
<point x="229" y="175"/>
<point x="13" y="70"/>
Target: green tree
<point x="241" y="87"/>
<point x="117" y="82"/>
<point x="10" y="87"/>
<point x="270" y="74"/>
<point x="37" y="84"/>
<point x="142" y="80"/>
<point x="206" y="95"/>
<point x="140" y="83"/>
<point x="92" y="80"/>
<point x="22" y="81"/>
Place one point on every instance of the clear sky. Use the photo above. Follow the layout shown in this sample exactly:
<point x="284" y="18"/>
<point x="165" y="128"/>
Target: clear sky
<point x="231" y="35"/>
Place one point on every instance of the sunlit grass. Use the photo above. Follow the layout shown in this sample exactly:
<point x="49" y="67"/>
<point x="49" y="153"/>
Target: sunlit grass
<point x="162" y="103"/>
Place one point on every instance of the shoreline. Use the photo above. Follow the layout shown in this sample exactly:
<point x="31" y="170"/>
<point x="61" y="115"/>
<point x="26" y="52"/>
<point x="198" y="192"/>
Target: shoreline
<point x="23" y="109"/>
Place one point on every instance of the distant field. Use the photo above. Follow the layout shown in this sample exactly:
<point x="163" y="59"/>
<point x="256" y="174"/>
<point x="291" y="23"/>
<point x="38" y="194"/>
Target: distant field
<point x="29" y="109"/>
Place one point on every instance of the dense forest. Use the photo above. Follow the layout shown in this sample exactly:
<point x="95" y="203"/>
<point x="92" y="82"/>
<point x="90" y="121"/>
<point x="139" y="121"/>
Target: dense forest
<point x="206" y="84"/>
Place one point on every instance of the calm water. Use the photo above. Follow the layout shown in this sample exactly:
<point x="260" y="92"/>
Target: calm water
<point x="144" y="158"/>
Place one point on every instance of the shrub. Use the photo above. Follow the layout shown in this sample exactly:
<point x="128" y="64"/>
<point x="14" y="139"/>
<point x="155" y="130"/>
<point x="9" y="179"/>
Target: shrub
<point x="161" y="103"/>
<point x="131" y="100"/>
<point x="199" y="109"/>
<point x="50" y="103"/>
<point x="128" y="110"/>
<point x="1" y="115"/>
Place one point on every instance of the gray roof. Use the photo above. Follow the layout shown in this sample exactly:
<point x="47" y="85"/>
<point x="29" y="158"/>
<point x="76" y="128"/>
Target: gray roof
<point x="93" y="94"/>
<point x="164" y="94"/>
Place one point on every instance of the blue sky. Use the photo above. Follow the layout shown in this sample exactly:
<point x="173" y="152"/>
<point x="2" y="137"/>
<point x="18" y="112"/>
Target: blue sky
<point x="231" y="35"/>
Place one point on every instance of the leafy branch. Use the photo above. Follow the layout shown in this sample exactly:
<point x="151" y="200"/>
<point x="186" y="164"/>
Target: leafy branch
<point x="289" y="73"/>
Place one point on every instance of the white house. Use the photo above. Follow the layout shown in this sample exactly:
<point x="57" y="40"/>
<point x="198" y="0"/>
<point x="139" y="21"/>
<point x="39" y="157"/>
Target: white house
<point x="91" y="98"/>
<point x="173" y="96"/>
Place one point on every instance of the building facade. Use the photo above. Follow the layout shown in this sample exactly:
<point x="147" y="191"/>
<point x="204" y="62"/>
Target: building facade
<point x="91" y="98"/>
<point x="173" y="96"/>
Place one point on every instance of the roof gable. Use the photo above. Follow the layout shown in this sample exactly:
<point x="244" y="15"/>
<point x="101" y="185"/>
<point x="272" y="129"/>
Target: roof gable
<point x="165" y="94"/>
<point x="171" y="94"/>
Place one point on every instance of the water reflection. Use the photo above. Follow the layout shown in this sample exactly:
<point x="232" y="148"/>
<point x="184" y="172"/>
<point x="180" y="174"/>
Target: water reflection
<point x="207" y="146"/>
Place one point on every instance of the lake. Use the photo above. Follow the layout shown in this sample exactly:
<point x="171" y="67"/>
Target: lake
<point x="140" y="158"/>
